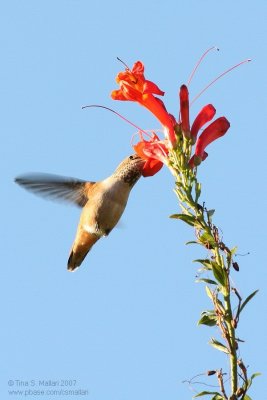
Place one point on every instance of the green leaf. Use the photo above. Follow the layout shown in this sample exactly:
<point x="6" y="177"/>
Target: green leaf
<point x="219" y="346"/>
<point x="247" y="397"/>
<point x="252" y="377"/>
<point x="208" y="319"/>
<point x="205" y="393"/>
<point x="245" y="302"/>
<point x="255" y="375"/>
<point x="218" y="301"/>
<point x="210" y="281"/>
<point x="233" y="250"/>
<point x="207" y="238"/>
<point x="206" y="262"/>
<point x="179" y="184"/>
<point x="197" y="191"/>
<point x="192" y="242"/>
<point x="217" y="397"/>
<point x="209" y="292"/>
<point x="219" y="273"/>
<point x="190" y="220"/>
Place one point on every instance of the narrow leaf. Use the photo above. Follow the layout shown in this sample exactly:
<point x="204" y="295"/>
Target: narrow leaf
<point x="205" y="393"/>
<point x="252" y="377"/>
<point x="247" y="397"/>
<point x="209" y="320"/>
<point x="197" y="191"/>
<point x="209" y="292"/>
<point x="192" y="242"/>
<point x="217" y="397"/>
<point x="219" y="273"/>
<point x="206" y="262"/>
<point x="210" y="281"/>
<point x="219" y="346"/>
<point x="255" y="375"/>
<point x="245" y="302"/>
<point x="207" y="238"/>
<point x="233" y="250"/>
<point x="190" y="220"/>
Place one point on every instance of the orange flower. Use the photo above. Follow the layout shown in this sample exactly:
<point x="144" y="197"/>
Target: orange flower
<point x="134" y="87"/>
<point x="154" y="152"/>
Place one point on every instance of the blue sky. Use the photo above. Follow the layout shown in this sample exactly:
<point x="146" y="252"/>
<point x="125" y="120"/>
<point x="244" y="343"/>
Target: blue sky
<point x="124" y="325"/>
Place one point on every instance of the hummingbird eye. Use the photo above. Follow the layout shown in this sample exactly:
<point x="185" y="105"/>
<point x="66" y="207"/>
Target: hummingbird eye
<point x="131" y="157"/>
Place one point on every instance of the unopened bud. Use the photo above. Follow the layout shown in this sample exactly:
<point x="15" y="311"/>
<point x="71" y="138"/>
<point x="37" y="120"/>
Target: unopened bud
<point x="212" y="372"/>
<point x="235" y="266"/>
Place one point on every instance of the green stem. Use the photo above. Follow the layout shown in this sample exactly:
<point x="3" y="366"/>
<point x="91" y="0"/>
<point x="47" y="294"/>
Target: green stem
<point x="231" y="339"/>
<point x="232" y="343"/>
<point x="186" y="179"/>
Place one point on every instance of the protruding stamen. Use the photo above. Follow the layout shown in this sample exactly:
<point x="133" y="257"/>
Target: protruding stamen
<point x="126" y="66"/>
<point x="115" y="112"/>
<point x="141" y="133"/>
<point x="199" y="62"/>
<point x="218" y="77"/>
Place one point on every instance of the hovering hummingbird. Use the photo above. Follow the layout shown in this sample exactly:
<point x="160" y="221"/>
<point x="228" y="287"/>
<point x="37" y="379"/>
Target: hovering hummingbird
<point x="103" y="202"/>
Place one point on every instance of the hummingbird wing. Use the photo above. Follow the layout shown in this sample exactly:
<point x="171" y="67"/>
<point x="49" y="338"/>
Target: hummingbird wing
<point x="54" y="187"/>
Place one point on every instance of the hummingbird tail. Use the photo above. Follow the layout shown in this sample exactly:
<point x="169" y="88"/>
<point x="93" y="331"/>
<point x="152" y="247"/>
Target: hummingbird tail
<point x="80" y="250"/>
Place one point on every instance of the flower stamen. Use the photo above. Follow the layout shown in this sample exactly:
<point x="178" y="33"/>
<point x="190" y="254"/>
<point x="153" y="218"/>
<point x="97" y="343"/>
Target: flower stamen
<point x="218" y="77"/>
<point x="115" y="112"/>
<point x="126" y="66"/>
<point x="199" y="62"/>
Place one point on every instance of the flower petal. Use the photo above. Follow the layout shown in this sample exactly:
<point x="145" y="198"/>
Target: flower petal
<point x="156" y="106"/>
<point x="151" y="87"/>
<point x="204" y="116"/>
<point x="215" y="130"/>
<point x="184" y="109"/>
<point x="138" y="68"/>
<point x="118" y="95"/>
<point x="134" y="87"/>
<point x="154" y="152"/>
<point x="151" y="167"/>
<point x="139" y="149"/>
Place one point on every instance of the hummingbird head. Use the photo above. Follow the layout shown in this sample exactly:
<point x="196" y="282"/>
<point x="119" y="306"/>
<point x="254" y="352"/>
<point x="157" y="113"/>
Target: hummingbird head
<point x="130" y="169"/>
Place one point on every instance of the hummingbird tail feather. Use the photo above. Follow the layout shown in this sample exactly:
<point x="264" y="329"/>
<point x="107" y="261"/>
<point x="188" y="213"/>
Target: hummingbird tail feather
<point x="80" y="250"/>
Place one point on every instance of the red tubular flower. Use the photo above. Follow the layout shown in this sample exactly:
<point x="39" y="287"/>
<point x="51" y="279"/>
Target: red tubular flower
<point x="134" y="87"/>
<point x="215" y="130"/>
<point x="154" y="152"/>
<point x="184" y="110"/>
<point x="204" y="116"/>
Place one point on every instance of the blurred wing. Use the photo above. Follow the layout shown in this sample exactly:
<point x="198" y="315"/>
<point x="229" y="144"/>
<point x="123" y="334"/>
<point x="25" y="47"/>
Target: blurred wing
<point x="56" y="187"/>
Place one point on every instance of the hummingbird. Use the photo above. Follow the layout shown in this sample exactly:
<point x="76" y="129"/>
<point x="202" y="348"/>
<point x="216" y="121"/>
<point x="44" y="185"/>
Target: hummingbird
<point x="102" y="202"/>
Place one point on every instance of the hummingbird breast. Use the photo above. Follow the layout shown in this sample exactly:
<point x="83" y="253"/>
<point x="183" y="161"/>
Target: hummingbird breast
<point x="105" y="206"/>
